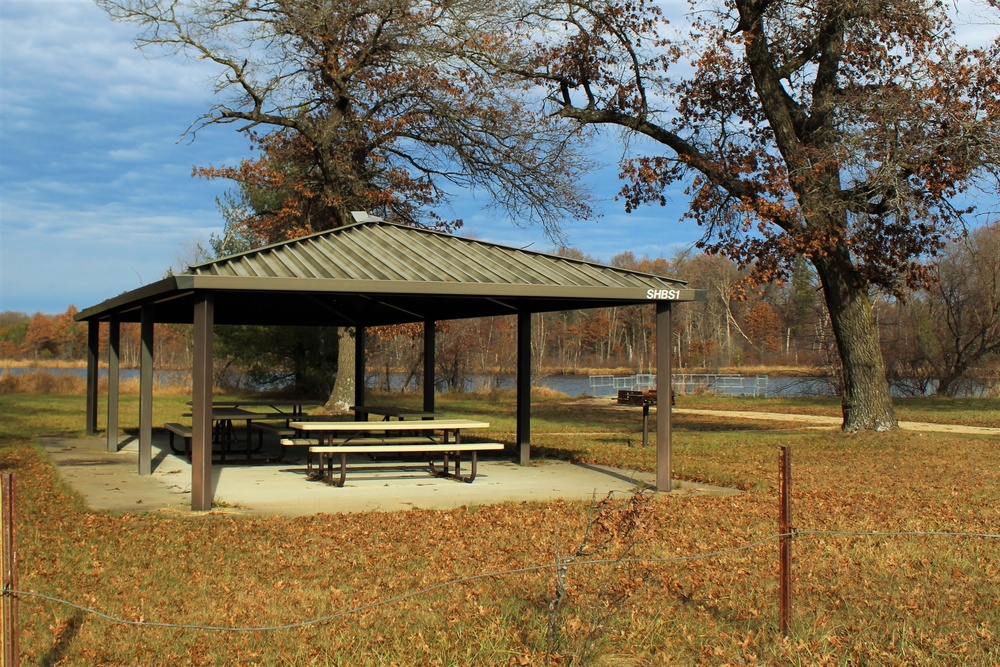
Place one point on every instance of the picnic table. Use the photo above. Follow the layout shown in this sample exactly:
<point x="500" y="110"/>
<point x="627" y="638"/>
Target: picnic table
<point x="387" y="412"/>
<point x="279" y="406"/>
<point x="224" y="416"/>
<point x="428" y="436"/>
<point x="223" y="431"/>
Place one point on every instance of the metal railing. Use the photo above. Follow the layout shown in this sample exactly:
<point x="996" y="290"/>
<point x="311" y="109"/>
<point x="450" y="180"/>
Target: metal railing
<point x="721" y="384"/>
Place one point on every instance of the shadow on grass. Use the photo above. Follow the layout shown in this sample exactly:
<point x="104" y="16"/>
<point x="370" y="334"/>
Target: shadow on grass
<point x="724" y="424"/>
<point x="64" y="636"/>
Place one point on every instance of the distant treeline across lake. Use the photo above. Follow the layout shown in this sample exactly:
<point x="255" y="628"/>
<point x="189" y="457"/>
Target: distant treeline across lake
<point x="571" y="385"/>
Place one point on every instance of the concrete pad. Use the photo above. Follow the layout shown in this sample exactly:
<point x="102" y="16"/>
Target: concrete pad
<point x="110" y="481"/>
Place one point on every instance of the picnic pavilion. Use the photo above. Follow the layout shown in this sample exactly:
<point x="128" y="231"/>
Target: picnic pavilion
<point x="370" y="273"/>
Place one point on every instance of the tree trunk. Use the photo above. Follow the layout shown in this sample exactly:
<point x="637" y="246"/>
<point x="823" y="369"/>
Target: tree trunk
<point x="342" y="395"/>
<point x="867" y="403"/>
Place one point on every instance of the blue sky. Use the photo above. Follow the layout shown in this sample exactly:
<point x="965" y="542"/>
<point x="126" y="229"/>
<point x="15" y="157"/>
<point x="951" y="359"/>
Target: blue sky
<point x="96" y="193"/>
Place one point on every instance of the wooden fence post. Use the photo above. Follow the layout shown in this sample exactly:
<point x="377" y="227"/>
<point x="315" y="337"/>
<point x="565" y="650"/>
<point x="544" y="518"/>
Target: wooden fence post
<point x="8" y="561"/>
<point x="784" y="529"/>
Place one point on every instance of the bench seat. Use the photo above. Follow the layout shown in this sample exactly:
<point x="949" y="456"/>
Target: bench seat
<point x="182" y="430"/>
<point x="368" y="441"/>
<point x="280" y="430"/>
<point x="421" y="447"/>
<point x="327" y="453"/>
<point x="299" y="442"/>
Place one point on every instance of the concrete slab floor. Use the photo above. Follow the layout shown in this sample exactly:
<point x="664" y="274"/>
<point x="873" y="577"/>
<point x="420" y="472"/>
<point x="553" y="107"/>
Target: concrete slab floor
<point x="110" y="481"/>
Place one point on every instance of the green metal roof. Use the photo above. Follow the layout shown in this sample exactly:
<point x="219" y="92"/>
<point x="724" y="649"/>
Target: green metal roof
<point x="378" y="272"/>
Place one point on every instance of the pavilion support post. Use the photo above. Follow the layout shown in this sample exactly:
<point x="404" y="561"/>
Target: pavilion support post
<point x="430" y="363"/>
<point x="114" y="378"/>
<point x="523" y="388"/>
<point x="359" y="370"/>
<point x="664" y="371"/>
<point x="201" y="404"/>
<point x="146" y="391"/>
<point x="93" y="343"/>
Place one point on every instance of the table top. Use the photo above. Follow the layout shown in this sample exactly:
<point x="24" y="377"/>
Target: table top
<point x="393" y="411"/>
<point x="239" y="413"/>
<point x="271" y="402"/>
<point x="424" y="425"/>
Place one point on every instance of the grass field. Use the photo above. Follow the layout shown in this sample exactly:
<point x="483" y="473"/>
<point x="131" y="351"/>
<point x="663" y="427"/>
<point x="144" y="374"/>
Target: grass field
<point x="892" y="561"/>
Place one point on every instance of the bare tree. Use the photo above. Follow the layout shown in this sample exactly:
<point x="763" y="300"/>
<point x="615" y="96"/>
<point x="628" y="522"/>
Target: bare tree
<point x="964" y="307"/>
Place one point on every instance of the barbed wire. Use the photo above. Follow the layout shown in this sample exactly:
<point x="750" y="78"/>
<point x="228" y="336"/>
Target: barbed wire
<point x="896" y="533"/>
<point x="486" y="575"/>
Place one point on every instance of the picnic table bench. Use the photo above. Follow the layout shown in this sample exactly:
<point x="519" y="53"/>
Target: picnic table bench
<point x="182" y="430"/>
<point x="338" y="439"/>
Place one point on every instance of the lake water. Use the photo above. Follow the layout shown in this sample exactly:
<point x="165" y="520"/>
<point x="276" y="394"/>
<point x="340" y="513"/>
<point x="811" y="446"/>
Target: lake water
<point x="571" y="385"/>
<point x="579" y="385"/>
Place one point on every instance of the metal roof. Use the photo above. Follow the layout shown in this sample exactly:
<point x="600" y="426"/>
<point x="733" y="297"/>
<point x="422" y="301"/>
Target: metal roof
<point x="377" y="272"/>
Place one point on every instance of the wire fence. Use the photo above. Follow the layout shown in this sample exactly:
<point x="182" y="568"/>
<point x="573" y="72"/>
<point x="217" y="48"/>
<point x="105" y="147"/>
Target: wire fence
<point x="796" y="533"/>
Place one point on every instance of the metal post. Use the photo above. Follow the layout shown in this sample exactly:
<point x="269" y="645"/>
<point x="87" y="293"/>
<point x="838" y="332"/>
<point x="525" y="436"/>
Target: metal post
<point x="201" y="404"/>
<point x="8" y="561"/>
<point x="664" y="370"/>
<point x="785" y="544"/>
<point x="114" y="378"/>
<point x="524" y="388"/>
<point x="645" y="424"/>
<point x="359" y="370"/>
<point x="146" y="391"/>
<point x="93" y="343"/>
<point x="430" y="363"/>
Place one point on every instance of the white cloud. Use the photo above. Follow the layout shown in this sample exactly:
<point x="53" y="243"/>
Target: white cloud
<point x="96" y="193"/>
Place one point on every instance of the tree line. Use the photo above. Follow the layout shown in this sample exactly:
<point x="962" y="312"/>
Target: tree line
<point x="941" y="339"/>
<point x="40" y="339"/>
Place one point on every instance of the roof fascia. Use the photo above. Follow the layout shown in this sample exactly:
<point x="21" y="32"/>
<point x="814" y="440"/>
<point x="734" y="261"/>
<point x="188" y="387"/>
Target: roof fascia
<point x="664" y="290"/>
<point x="130" y="300"/>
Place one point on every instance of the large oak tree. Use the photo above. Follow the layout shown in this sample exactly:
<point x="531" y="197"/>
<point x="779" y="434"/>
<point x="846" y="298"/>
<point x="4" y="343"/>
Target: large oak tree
<point x="847" y="132"/>
<point x="363" y="105"/>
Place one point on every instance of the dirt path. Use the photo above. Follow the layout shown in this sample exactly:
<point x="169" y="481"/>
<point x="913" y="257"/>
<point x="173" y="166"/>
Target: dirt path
<point x="835" y="422"/>
<point x="814" y="421"/>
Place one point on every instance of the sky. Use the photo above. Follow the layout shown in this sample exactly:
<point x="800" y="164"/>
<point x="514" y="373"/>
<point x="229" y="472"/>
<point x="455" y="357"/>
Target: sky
<point x="96" y="192"/>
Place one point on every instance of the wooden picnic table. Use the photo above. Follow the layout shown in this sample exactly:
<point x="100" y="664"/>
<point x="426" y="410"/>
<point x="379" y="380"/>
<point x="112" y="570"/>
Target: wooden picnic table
<point x="341" y="432"/>
<point x="224" y="432"/>
<point x="389" y="411"/>
<point x="338" y="439"/>
<point x="292" y="406"/>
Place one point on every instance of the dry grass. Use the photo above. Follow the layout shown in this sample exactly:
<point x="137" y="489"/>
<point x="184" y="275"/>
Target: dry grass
<point x="883" y="599"/>
<point x="59" y="384"/>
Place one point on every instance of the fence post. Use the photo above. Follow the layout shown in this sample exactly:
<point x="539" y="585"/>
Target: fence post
<point x="8" y="561"/>
<point x="785" y="544"/>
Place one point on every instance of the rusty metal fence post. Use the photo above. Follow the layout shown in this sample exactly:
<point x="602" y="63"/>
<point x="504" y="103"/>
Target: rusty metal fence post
<point x="785" y="544"/>
<point x="8" y="561"/>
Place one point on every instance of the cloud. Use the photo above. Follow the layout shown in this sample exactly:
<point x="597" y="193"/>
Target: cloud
<point x="78" y="101"/>
<point x="96" y="193"/>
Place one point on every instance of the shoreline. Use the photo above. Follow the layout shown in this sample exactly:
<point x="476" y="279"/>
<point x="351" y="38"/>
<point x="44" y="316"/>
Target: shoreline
<point x="788" y="371"/>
